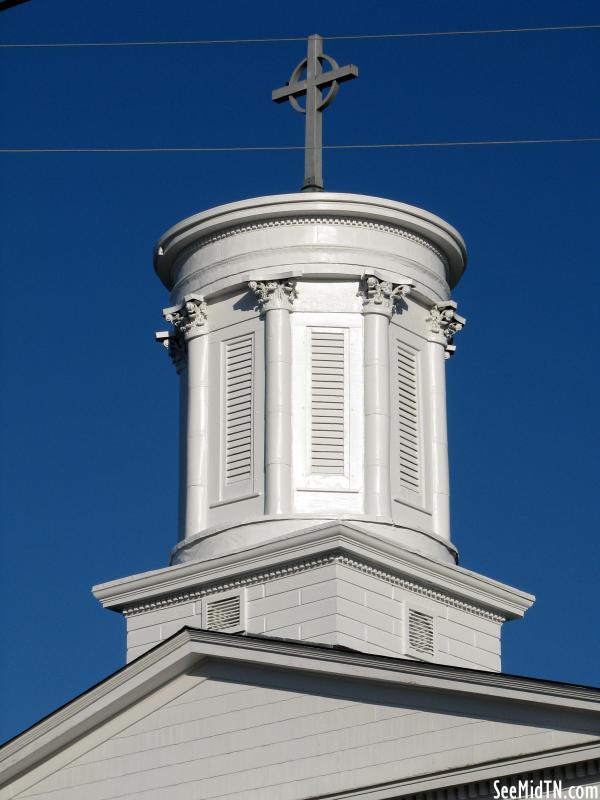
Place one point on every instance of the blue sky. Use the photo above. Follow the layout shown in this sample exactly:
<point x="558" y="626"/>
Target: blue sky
<point x="89" y="402"/>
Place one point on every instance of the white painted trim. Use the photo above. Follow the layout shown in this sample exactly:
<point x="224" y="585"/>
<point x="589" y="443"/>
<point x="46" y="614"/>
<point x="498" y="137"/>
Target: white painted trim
<point x="382" y="556"/>
<point x="189" y="646"/>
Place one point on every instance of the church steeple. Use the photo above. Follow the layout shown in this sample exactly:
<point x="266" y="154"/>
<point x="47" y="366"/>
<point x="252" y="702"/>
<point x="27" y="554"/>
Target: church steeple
<point x="310" y="333"/>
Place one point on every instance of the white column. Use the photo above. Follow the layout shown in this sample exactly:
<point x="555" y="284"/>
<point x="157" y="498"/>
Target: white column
<point x="444" y="323"/>
<point x="275" y="299"/>
<point x="183" y="404"/>
<point x="379" y="298"/>
<point x="190" y="321"/>
<point x="439" y="441"/>
<point x="174" y="342"/>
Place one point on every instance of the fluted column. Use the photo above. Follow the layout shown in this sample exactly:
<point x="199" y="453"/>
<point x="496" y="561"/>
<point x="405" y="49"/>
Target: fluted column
<point x="275" y="299"/>
<point x="379" y="299"/>
<point x="189" y="320"/>
<point x="444" y="323"/>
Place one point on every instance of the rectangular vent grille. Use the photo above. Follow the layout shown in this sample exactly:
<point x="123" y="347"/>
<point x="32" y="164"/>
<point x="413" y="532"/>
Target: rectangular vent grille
<point x="239" y="368"/>
<point x="420" y="632"/>
<point x="327" y="393"/>
<point x="408" y="419"/>
<point x="225" y="613"/>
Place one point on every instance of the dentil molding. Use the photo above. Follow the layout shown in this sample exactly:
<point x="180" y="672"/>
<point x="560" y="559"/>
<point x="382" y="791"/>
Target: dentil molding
<point x="293" y="568"/>
<point x="279" y="222"/>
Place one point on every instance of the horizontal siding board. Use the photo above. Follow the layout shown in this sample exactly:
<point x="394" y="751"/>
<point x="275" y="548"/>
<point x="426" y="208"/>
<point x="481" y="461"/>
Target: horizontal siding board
<point x="303" y="736"/>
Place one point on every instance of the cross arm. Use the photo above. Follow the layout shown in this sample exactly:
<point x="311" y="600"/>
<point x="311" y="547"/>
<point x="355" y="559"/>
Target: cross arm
<point x="298" y="88"/>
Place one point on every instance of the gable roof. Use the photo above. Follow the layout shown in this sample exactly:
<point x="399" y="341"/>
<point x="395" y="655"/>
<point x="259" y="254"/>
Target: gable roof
<point x="188" y="648"/>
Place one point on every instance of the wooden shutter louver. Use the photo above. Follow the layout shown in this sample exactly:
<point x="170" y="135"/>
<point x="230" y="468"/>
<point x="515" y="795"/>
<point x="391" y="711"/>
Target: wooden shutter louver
<point x="420" y="632"/>
<point x="408" y="419"/>
<point x="327" y="394"/>
<point x="239" y="370"/>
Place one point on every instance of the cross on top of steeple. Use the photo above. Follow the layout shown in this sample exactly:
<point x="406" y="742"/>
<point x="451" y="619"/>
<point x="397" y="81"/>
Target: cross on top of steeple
<point x="311" y="86"/>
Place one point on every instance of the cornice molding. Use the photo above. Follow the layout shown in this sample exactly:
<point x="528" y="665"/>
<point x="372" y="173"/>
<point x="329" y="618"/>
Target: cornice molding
<point x="287" y="221"/>
<point x="295" y="567"/>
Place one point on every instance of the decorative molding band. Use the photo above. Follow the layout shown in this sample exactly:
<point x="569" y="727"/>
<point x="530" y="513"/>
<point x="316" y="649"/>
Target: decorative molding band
<point x="277" y="294"/>
<point x="444" y="321"/>
<point x="174" y="343"/>
<point x="280" y="222"/>
<point x="235" y="583"/>
<point x="189" y="317"/>
<point x="419" y="588"/>
<point x="566" y="774"/>
<point x="381" y="297"/>
<point x="336" y="557"/>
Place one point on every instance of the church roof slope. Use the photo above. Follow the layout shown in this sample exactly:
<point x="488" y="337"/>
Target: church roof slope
<point x="353" y="706"/>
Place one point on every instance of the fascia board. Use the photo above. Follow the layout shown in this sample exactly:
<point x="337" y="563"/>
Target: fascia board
<point x="134" y="681"/>
<point x="190" y="646"/>
<point x="347" y="538"/>
<point x="262" y="651"/>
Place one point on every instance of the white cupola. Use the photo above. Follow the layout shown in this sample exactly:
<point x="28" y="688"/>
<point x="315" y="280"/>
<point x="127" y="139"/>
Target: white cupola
<point x="310" y="333"/>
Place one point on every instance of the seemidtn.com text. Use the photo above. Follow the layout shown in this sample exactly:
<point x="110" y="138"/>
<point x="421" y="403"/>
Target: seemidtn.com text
<point x="536" y="790"/>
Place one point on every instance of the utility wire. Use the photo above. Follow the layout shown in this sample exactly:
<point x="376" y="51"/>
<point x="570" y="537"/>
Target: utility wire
<point x="273" y="40"/>
<point x="269" y="148"/>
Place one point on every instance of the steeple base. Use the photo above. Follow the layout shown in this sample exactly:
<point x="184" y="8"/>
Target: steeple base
<point x="333" y="583"/>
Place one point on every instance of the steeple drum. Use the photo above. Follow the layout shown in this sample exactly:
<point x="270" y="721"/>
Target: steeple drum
<point x="315" y="329"/>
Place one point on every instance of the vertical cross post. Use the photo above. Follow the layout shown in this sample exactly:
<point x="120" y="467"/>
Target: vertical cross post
<point x="313" y="152"/>
<point x="311" y="86"/>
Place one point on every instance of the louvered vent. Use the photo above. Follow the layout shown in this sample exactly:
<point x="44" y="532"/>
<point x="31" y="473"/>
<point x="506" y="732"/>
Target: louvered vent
<point x="239" y="367"/>
<point x="420" y="632"/>
<point x="327" y="393"/>
<point x="408" y="419"/>
<point x="224" y="613"/>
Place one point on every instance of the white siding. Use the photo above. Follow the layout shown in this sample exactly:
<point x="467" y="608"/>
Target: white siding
<point x="283" y="736"/>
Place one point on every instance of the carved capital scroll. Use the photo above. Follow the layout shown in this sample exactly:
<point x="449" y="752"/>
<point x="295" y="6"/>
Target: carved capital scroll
<point x="380" y="297"/>
<point x="444" y="320"/>
<point x="189" y="317"/>
<point x="274" y="294"/>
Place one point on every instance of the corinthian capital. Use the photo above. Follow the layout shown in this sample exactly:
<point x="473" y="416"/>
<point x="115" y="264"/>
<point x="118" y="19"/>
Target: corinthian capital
<point x="174" y="343"/>
<point x="274" y="294"/>
<point x="189" y="317"/>
<point x="444" y="320"/>
<point x="380" y="297"/>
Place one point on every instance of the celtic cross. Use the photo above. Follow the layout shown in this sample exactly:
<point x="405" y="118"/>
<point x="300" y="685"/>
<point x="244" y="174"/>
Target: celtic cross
<point x="311" y="86"/>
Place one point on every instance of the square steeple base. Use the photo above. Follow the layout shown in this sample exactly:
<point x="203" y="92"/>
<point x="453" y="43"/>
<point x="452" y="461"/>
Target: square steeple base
<point x="333" y="584"/>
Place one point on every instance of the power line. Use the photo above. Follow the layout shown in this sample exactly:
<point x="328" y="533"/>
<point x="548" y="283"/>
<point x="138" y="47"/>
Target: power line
<point x="272" y="148"/>
<point x="274" y="40"/>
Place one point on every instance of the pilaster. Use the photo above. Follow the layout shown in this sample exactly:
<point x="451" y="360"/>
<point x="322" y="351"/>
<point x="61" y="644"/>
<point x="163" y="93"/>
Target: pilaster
<point x="189" y="321"/>
<point x="379" y="301"/>
<point x="275" y="299"/>
<point x="444" y="323"/>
